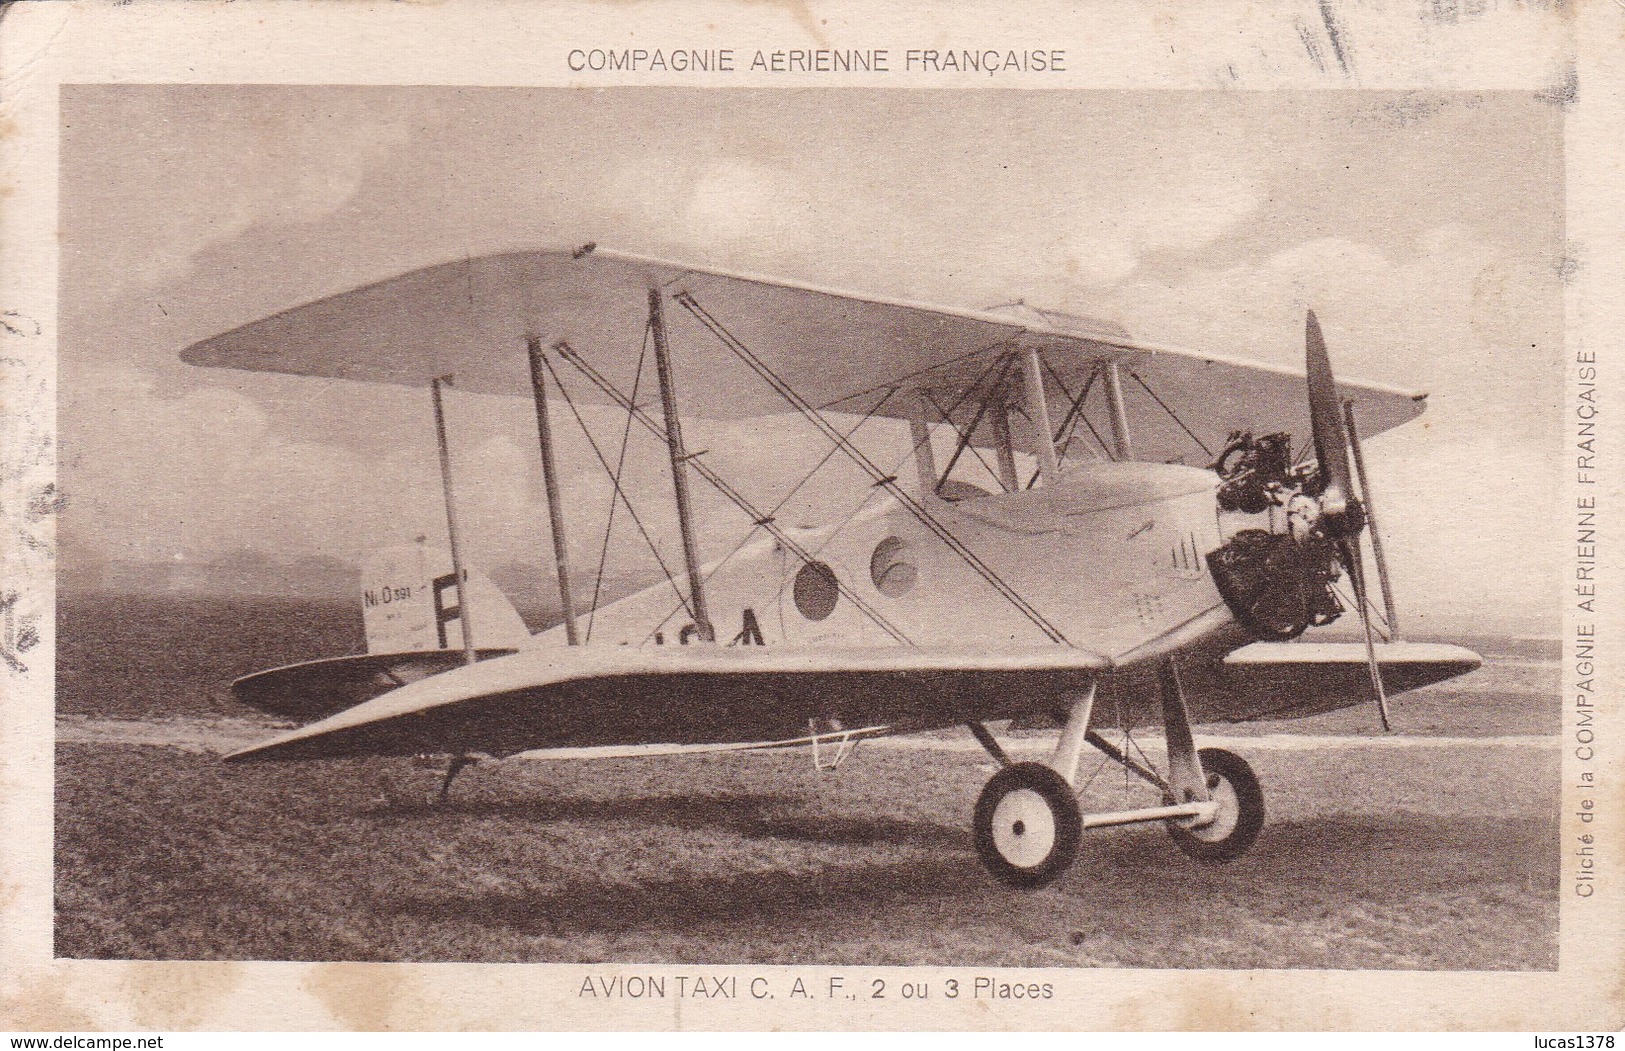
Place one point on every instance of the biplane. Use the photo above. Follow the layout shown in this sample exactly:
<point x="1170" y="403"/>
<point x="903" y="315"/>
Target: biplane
<point x="1153" y="531"/>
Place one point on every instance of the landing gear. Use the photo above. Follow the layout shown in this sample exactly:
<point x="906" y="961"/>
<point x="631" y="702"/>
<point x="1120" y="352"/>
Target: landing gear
<point x="457" y="765"/>
<point x="1238" y="810"/>
<point x="1028" y="824"/>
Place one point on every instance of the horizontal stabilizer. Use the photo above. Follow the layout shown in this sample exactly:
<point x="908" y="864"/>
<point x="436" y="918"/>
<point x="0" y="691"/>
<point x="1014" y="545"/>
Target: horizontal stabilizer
<point x="316" y="689"/>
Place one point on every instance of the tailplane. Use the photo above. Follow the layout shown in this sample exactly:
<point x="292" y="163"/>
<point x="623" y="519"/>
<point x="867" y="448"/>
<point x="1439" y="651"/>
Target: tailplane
<point x="410" y="609"/>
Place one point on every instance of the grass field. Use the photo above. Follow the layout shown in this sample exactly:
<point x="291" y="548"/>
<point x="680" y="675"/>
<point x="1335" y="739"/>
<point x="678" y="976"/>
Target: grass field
<point x="1440" y="856"/>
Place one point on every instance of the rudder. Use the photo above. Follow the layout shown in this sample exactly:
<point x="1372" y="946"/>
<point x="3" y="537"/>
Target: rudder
<point x="410" y="602"/>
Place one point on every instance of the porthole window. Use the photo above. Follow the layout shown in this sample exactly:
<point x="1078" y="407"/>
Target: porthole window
<point x="894" y="575"/>
<point x="815" y="591"/>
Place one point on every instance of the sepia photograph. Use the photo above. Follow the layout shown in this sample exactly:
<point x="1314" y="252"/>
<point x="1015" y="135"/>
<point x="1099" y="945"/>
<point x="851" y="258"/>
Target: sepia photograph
<point x="814" y="527"/>
<point x="954" y="619"/>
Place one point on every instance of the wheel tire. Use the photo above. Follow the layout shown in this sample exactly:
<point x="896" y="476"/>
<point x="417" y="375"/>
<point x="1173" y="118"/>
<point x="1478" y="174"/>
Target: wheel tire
<point x="1231" y="783"/>
<point x="1028" y="825"/>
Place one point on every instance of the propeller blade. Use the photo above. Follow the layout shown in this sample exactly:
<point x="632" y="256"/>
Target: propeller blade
<point x="1326" y="420"/>
<point x="1349" y="551"/>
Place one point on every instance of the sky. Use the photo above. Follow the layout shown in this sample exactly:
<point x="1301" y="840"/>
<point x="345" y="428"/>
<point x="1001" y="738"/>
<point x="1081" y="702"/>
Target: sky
<point x="1425" y="230"/>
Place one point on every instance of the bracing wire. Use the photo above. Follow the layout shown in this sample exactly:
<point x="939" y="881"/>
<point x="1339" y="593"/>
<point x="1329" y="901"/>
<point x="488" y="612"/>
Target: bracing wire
<point x="947" y="536"/>
<point x="722" y="486"/>
<point x="604" y="462"/>
<point x="1172" y="414"/>
<point x="774" y="512"/>
<point x="620" y="466"/>
<point x="965" y="438"/>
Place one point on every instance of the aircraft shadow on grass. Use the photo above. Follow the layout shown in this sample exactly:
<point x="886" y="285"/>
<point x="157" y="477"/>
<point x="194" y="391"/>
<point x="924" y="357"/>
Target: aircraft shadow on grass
<point x="1313" y="866"/>
<point x="759" y="816"/>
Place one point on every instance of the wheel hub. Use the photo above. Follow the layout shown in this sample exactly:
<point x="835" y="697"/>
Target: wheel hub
<point x="1024" y="828"/>
<point x="1224" y="817"/>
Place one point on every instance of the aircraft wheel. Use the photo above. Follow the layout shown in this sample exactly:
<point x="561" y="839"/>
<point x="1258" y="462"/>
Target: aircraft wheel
<point x="1028" y="825"/>
<point x="1232" y="784"/>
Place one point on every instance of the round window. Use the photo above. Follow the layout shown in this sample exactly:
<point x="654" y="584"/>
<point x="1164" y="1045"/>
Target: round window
<point x="890" y="569"/>
<point x="815" y="591"/>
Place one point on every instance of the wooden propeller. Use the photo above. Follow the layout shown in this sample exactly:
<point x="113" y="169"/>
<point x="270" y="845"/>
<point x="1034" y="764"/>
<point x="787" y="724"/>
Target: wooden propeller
<point x="1342" y="516"/>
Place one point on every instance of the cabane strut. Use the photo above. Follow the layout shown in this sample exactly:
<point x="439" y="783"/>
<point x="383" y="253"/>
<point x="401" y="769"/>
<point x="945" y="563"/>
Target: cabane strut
<point x="882" y="479"/>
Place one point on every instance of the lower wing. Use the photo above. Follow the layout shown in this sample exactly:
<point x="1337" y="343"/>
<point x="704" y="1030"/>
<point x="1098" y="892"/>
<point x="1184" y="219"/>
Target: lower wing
<point x="1283" y="680"/>
<point x="686" y="695"/>
<point x="692" y="697"/>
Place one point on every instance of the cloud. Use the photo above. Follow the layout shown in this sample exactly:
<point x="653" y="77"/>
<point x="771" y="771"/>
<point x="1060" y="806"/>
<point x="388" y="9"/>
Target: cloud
<point x="206" y="474"/>
<point x="212" y="476"/>
<point x="1115" y="224"/>
<point x="1099" y="258"/>
<point x="167" y="202"/>
<point x="1457" y="318"/>
<point x="734" y="200"/>
<point x="1205" y="201"/>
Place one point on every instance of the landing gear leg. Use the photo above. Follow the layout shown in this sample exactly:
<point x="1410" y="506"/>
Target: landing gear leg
<point x="455" y="767"/>
<point x="1185" y="777"/>
<point x="1027" y="823"/>
<point x="1211" y="775"/>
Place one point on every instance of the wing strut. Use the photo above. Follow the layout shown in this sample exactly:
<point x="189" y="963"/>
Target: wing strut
<point x="550" y="480"/>
<point x="1003" y="364"/>
<point x="679" y="467"/>
<point x="1122" y="443"/>
<point x="1049" y="468"/>
<point x="1001" y="444"/>
<point x="881" y="478"/>
<point x="1062" y="442"/>
<point x="457" y="568"/>
<point x="717" y="482"/>
<point x="925" y="457"/>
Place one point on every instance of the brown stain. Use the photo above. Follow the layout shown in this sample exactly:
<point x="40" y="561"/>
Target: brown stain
<point x="1615" y="1020"/>
<point x="1612" y="1017"/>
<point x="1211" y="1004"/>
<point x="1128" y="1016"/>
<point x="1207" y="1006"/>
<point x="179" y="995"/>
<point x="40" y="1006"/>
<point x="375" y="997"/>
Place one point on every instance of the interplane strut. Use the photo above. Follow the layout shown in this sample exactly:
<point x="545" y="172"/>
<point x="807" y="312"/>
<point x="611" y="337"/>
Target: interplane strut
<point x="734" y="496"/>
<point x="881" y="478"/>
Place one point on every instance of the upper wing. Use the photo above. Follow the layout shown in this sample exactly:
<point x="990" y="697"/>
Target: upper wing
<point x="583" y="697"/>
<point x="839" y="350"/>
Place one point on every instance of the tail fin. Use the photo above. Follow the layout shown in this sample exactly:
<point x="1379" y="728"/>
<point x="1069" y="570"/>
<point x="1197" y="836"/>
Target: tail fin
<point x="410" y="602"/>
